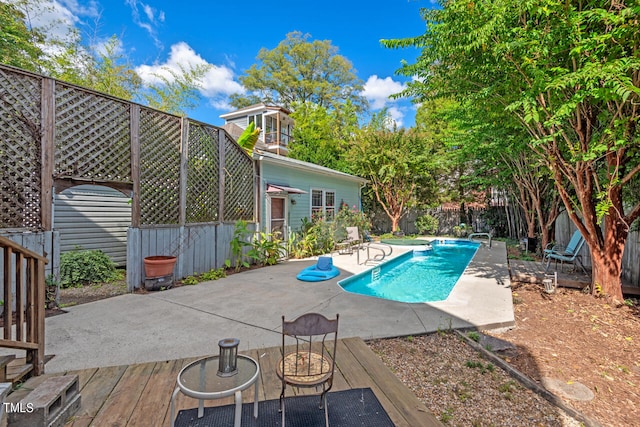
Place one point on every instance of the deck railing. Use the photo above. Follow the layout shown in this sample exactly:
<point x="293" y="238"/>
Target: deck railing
<point x="24" y="304"/>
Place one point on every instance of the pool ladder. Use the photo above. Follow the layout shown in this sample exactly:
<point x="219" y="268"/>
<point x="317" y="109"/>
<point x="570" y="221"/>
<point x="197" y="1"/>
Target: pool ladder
<point x="375" y="274"/>
<point x="377" y="257"/>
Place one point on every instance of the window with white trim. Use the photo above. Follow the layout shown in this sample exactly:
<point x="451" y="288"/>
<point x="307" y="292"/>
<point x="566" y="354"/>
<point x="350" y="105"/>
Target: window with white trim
<point x="255" y="118"/>
<point x="323" y="203"/>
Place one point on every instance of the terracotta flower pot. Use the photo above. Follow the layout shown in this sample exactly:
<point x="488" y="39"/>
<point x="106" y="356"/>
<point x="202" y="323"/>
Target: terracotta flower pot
<point x="159" y="265"/>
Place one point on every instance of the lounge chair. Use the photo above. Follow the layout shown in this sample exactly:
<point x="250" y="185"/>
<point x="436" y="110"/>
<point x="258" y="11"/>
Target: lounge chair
<point x="322" y="270"/>
<point x="569" y="254"/>
<point x="311" y="361"/>
<point x="353" y="240"/>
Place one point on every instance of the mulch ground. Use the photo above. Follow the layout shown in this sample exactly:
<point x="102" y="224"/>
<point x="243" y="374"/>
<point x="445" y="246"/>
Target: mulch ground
<point x="574" y="337"/>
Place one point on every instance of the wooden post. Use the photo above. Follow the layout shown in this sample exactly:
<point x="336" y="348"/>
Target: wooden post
<point x="257" y="199"/>
<point x="134" y="123"/>
<point x="38" y="356"/>
<point x="47" y="135"/>
<point x="8" y="303"/>
<point x="20" y="295"/>
<point x="184" y="155"/>
<point x="278" y="138"/>
<point x="221" y="173"/>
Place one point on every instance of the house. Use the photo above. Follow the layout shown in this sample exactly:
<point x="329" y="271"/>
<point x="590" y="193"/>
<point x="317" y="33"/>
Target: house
<point x="290" y="190"/>
<point x="275" y="122"/>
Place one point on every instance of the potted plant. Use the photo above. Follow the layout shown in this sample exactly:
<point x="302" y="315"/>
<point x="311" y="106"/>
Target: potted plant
<point x="159" y="265"/>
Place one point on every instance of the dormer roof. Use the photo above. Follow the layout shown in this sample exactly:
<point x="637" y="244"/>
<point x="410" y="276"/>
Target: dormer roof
<point x="253" y="109"/>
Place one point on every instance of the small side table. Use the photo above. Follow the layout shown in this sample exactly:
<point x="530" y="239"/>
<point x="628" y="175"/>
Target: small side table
<point x="200" y="380"/>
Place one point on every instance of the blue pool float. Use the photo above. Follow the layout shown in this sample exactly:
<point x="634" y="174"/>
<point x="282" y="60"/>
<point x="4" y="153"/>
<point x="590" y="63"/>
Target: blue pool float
<point x="323" y="270"/>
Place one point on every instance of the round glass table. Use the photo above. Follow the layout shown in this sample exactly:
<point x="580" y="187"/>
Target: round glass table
<point x="201" y="381"/>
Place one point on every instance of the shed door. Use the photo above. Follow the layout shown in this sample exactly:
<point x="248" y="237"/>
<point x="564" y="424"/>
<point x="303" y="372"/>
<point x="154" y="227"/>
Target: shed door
<point x="278" y="216"/>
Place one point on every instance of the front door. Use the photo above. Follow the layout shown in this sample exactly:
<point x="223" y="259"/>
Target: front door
<point x="278" y="217"/>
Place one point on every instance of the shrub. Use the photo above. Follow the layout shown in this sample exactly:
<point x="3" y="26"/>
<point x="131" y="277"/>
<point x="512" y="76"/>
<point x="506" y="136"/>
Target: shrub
<point x="315" y="237"/>
<point x="266" y="249"/>
<point x="462" y="230"/>
<point x="351" y="217"/>
<point x="84" y="267"/>
<point x="427" y="224"/>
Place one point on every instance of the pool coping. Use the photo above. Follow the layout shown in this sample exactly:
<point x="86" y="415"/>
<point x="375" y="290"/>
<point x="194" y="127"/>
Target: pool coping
<point x="408" y="254"/>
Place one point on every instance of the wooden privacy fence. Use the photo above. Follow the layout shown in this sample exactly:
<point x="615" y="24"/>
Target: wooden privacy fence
<point x="23" y="284"/>
<point x="630" y="258"/>
<point x="178" y="172"/>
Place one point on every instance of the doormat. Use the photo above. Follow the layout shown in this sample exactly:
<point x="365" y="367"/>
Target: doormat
<point x="349" y="408"/>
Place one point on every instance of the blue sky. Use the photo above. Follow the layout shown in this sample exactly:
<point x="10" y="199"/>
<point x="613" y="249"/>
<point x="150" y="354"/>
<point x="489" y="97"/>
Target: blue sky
<point x="228" y="35"/>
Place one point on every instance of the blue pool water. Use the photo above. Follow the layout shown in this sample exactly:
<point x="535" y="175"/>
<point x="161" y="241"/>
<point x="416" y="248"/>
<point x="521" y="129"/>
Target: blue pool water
<point x="418" y="276"/>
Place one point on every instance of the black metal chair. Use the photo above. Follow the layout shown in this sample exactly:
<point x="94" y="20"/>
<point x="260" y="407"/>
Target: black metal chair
<point x="308" y="355"/>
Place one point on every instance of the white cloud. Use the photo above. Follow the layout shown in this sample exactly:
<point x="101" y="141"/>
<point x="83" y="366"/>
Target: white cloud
<point x="58" y="19"/>
<point x="152" y="14"/>
<point x="377" y="91"/>
<point x="52" y="17"/>
<point x="153" y="18"/>
<point x="397" y="116"/>
<point x="217" y="83"/>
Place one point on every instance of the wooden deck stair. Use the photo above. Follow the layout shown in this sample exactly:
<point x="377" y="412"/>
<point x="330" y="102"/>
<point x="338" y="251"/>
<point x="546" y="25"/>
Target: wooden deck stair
<point x="18" y="370"/>
<point x="13" y="370"/>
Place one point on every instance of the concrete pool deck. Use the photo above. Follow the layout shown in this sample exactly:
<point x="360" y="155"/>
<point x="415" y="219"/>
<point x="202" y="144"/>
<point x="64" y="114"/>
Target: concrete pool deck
<point x="188" y="321"/>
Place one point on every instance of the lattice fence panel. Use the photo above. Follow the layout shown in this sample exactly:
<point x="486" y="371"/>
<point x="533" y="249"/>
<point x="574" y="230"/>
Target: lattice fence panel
<point x="20" y="161"/>
<point x="238" y="185"/>
<point x="202" y="174"/>
<point x="92" y="136"/>
<point x="159" y="167"/>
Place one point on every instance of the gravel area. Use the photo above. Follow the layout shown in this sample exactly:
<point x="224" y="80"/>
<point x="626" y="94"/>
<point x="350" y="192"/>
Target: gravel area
<point x="461" y="388"/>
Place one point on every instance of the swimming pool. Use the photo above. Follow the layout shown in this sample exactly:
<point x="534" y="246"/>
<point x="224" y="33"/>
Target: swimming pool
<point x="425" y="275"/>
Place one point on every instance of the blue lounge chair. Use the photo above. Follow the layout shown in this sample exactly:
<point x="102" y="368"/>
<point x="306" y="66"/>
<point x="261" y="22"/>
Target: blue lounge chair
<point x="322" y="270"/>
<point x="570" y="253"/>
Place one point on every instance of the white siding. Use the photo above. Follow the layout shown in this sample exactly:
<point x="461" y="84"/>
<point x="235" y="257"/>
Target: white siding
<point x="93" y="217"/>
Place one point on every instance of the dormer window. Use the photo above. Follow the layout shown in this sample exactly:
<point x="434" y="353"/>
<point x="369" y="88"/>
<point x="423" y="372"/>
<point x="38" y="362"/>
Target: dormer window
<point x="255" y="118"/>
<point x="275" y="123"/>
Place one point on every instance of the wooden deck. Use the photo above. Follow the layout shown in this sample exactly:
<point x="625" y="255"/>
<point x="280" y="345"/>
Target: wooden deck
<point x="140" y="394"/>
<point x="533" y="272"/>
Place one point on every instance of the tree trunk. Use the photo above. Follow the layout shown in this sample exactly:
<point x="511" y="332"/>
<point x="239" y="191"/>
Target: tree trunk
<point x="605" y="275"/>
<point x="606" y="261"/>
<point x="546" y="236"/>
<point x="395" y="223"/>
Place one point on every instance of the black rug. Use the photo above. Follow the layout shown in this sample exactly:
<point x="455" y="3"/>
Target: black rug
<point x="357" y="407"/>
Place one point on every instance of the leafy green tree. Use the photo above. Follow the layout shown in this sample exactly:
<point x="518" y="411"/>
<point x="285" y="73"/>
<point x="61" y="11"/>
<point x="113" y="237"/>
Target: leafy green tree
<point x="98" y="66"/>
<point x="495" y="150"/>
<point x="300" y="70"/>
<point x="177" y="91"/>
<point x="18" y="45"/>
<point x="401" y="166"/>
<point x="569" y="73"/>
<point x="113" y="74"/>
<point x="321" y="135"/>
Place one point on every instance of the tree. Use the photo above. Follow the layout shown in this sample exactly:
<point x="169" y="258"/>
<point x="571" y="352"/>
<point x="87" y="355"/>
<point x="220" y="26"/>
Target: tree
<point x="95" y="65"/>
<point x="18" y="45"/>
<point x="569" y="72"/>
<point x="321" y="135"/>
<point x="113" y="74"/>
<point x="502" y="160"/>
<point x="299" y="70"/>
<point x="176" y="91"/>
<point x="401" y="166"/>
